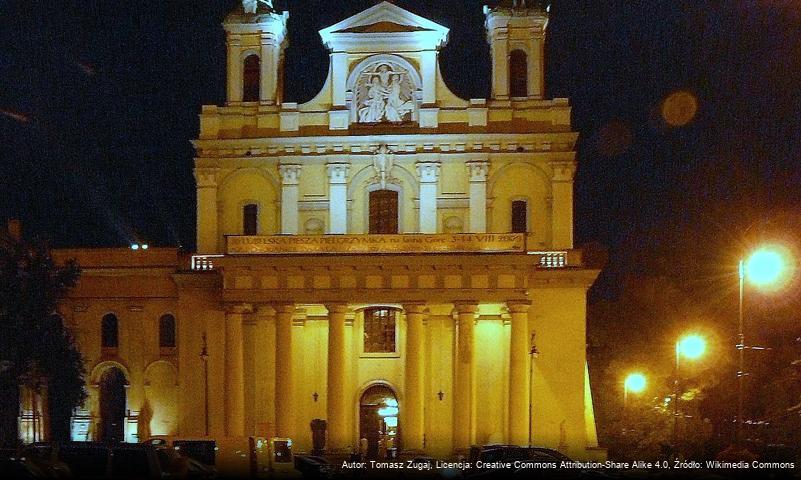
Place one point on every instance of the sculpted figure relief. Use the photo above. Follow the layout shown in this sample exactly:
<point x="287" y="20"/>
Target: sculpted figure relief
<point x="250" y="6"/>
<point x="384" y="94"/>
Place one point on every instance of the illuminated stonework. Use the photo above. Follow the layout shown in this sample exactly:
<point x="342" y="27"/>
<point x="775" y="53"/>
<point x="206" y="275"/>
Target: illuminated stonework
<point x="312" y="316"/>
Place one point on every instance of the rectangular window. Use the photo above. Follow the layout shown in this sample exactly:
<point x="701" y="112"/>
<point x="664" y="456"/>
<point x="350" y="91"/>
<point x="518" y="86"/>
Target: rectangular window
<point x="379" y="330"/>
<point x="384" y="211"/>
<point x="519" y="216"/>
<point x="250" y="219"/>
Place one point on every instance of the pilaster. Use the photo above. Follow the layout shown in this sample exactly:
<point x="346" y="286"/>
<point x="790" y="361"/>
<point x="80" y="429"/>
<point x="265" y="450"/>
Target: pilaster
<point x="338" y="197"/>
<point x="477" y="172"/>
<point x="290" y="179"/>
<point x="428" y="173"/>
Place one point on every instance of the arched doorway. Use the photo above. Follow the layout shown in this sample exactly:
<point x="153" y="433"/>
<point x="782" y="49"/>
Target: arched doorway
<point x="112" y="405"/>
<point x="378" y="419"/>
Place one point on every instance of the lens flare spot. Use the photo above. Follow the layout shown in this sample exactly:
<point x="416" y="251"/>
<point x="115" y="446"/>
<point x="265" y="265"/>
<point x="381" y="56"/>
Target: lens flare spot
<point x="679" y="108"/>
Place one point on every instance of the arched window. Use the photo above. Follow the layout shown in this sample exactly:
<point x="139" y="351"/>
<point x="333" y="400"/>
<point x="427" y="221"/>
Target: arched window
<point x="518" y="74"/>
<point x="251" y="78"/>
<point x="167" y="331"/>
<point x="383" y="211"/>
<point x="379" y="330"/>
<point x="519" y="216"/>
<point x="250" y="219"/>
<point x="109" y="331"/>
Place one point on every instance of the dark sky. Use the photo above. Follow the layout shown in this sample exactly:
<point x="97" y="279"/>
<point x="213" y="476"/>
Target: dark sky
<point x="99" y="99"/>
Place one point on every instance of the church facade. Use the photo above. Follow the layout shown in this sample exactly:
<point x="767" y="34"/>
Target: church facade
<point x="387" y="257"/>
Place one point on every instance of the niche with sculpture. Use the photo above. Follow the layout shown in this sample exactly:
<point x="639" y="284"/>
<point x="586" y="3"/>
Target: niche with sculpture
<point x="384" y="92"/>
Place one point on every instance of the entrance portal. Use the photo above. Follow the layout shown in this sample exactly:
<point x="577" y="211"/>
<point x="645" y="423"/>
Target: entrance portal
<point x="378" y="420"/>
<point x="112" y="406"/>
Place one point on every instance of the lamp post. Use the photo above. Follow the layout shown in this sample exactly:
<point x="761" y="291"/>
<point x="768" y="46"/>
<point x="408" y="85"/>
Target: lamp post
<point x="532" y="354"/>
<point x="204" y="356"/>
<point x="691" y="347"/>
<point x="766" y="266"/>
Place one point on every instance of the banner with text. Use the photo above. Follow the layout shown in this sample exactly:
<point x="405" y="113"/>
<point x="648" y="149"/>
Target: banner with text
<point x="401" y="243"/>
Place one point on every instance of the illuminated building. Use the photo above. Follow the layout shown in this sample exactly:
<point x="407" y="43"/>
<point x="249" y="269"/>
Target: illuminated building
<point x="385" y="248"/>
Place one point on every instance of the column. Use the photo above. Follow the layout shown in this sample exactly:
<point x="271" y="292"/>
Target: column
<point x="264" y="360"/>
<point x="338" y="197"/>
<point x="477" y="172"/>
<point x="284" y="409"/>
<point x="429" y="175"/>
<point x="290" y="178"/>
<point x="269" y="70"/>
<point x="562" y="205"/>
<point x="235" y="67"/>
<point x="235" y="370"/>
<point x="519" y="385"/>
<point x="337" y="400"/>
<point x="463" y="389"/>
<point x="414" y="427"/>
<point x="206" y="179"/>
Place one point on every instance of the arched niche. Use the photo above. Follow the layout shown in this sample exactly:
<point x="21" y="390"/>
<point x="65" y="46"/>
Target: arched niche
<point x="365" y="181"/>
<point x="384" y="89"/>
<point x="515" y="182"/>
<point x="248" y="186"/>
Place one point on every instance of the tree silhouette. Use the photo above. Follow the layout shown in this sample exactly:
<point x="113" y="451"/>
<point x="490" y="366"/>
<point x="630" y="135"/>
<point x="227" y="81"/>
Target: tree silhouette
<point x="36" y="350"/>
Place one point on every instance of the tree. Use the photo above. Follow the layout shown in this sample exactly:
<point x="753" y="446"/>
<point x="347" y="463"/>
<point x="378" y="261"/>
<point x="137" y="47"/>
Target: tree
<point x="35" y="347"/>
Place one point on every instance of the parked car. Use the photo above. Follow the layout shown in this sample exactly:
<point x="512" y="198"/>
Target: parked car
<point x="311" y="466"/>
<point x="42" y="455"/>
<point x="241" y="457"/>
<point x="98" y="460"/>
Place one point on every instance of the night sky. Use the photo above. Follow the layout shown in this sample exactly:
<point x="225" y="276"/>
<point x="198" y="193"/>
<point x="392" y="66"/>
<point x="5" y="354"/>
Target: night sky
<point x="99" y="99"/>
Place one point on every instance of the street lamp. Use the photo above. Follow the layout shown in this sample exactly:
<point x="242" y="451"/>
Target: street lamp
<point x="204" y="356"/>
<point x="634" y="383"/>
<point x="691" y="347"/>
<point x="766" y="267"/>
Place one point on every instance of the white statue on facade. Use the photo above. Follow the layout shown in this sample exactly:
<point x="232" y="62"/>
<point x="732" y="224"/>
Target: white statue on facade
<point x="250" y="6"/>
<point x="384" y="94"/>
<point x="383" y="160"/>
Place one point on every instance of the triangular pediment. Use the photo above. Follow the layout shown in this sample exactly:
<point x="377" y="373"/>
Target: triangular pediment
<point x="385" y="18"/>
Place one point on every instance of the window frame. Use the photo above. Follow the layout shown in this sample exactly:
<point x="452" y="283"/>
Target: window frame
<point x="162" y="346"/>
<point x="255" y="74"/>
<point x="518" y="55"/>
<point x="370" y="194"/>
<point x="103" y="332"/>
<point x="255" y="219"/>
<point x="364" y="319"/>
<point x="525" y="202"/>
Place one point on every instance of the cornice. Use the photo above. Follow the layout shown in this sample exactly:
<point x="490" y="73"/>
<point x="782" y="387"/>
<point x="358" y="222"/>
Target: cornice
<point x="540" y="142"/>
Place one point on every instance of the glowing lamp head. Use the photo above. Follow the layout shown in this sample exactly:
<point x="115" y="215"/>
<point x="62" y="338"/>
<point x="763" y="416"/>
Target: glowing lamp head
<point x="764" y="267"/>
<point x="691" y="346"/>
<point x="635" y="382"/>
<point x="135" y="246"/>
